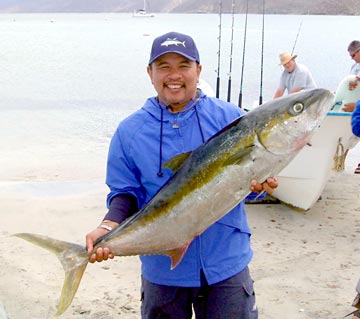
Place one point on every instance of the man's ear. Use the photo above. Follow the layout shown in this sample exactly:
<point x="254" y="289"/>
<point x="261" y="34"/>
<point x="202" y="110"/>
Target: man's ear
<point x="149" y="72"/>
<point x="199" y="68"/>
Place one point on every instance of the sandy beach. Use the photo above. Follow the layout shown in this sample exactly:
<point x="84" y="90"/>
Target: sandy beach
<point x="304" y="266"/>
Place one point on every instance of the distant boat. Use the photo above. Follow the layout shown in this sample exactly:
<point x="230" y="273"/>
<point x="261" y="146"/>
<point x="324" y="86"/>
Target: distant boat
<point x="143" y="13"/>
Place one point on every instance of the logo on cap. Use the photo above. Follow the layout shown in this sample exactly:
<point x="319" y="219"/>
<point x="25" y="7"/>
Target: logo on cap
<point x="174" y="41"/>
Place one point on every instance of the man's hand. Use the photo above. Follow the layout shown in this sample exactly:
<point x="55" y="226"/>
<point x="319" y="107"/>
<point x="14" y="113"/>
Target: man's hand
<point x="101" y="253"/>
<point x="353" y="84"/>
<point x="268" y="186"/>
<point x="349" y="107"/>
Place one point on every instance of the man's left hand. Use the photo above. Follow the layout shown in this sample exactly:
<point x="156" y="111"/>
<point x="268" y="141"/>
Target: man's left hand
<point x="268" y="186"/>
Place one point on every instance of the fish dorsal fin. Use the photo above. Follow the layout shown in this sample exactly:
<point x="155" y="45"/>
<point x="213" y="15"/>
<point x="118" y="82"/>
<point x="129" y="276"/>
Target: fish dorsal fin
<point x="239" y="157"/>
<point x="175" y="162"/>
<point x="177" y="254"/>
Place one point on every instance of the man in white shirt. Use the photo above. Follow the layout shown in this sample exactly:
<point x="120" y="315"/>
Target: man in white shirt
<point x="295" y="77"/>
<point x="354" y="52"/>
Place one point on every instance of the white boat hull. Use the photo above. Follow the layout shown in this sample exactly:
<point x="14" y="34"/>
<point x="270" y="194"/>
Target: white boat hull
<point x="302" y="182"/>
<point x="143" y="14"/>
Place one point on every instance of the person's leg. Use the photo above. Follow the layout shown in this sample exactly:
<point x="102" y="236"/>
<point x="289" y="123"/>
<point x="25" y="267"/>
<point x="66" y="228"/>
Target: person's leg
<point x="356" y="301"/>
<point x="165" y="302"/>
<point x="357" y="169"/>
<point x="231" y="298"/>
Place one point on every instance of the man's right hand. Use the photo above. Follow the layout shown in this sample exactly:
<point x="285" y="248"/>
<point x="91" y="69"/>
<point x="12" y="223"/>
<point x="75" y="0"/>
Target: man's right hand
<point x="349" y="107"/>
<point x="101" y="253"/>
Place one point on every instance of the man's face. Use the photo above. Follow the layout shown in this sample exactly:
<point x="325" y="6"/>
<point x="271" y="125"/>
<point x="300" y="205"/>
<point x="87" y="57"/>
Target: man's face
<point x="290" y="66"/>
<point x="355" y="55"/>
<point x="175" y="79"/>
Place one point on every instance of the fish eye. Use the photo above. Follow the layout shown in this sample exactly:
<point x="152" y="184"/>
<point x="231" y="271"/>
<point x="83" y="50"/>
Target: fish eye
<point x="298" y="107"/>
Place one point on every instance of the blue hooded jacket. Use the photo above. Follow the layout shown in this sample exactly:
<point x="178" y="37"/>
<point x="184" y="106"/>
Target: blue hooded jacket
<point x="355" y="120"/>
<point x="141" y="144"/>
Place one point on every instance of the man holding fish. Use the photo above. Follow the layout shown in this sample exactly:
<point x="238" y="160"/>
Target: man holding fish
<point x="210" y="274"/>
<point x="179" y="170"/>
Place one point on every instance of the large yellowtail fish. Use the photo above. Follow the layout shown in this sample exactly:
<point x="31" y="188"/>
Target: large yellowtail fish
<point x="207" y="183"/>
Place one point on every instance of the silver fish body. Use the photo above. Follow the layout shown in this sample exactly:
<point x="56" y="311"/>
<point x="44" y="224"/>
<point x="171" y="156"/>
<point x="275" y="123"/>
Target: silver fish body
<point x="207" y="183"/>
<point x="216" y="177"/>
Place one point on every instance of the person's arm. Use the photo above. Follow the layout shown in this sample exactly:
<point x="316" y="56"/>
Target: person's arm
<point x="350" y="107"/>
<point x="279" y="92"/>
<point x="121" y="207"/>
<point x="125" y="192"/>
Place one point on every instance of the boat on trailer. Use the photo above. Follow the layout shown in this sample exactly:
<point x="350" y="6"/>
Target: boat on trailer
<point x="302" y="182"/>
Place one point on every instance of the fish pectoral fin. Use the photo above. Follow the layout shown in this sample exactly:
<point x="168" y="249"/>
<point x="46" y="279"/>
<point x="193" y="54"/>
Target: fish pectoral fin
<point x="175" y="162"/>
<point x="239" y="157"/>
<point x="177" y="254"/>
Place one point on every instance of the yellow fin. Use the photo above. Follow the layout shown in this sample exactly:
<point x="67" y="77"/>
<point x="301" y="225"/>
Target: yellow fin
<point x="175" y="162"/>
<point x="237" y="158"/>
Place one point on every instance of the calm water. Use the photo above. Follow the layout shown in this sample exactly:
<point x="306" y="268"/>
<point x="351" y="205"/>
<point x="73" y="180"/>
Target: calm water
<point x="67" y="79"/>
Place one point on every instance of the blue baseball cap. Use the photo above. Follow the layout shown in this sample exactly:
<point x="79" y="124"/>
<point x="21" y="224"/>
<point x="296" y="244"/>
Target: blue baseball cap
<point x="174" y="42"/>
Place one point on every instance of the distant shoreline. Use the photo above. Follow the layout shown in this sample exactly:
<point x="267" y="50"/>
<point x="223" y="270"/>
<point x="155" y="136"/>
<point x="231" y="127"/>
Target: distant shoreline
<point x="194" y="12"/>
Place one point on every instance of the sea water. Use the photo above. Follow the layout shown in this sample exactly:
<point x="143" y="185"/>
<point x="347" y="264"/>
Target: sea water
<point x="66" y="80"/>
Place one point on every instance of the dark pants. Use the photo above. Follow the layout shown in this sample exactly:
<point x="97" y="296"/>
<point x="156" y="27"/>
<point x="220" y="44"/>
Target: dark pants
<point x="233" y="298"/>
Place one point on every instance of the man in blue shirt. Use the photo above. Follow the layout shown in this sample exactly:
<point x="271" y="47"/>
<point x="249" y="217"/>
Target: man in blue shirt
<point x="213" y="276"/>
<point x="355" y="120"/>
<point x="355" y="125"/>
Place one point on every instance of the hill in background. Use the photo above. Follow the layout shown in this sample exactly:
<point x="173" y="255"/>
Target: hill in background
<point x="323" y="7"/>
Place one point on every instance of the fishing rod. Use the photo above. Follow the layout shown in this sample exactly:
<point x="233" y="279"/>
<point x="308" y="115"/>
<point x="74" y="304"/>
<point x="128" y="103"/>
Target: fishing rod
<point x="292" y="51"/>
<point x="243" y="56"/>
<point x="219" y="38"/>
<point x="231" y="50"/>
<point x="262" y="55"/>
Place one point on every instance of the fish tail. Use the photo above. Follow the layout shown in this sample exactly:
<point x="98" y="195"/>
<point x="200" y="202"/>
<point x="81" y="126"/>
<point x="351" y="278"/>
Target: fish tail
<point x="74" y="260"/>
